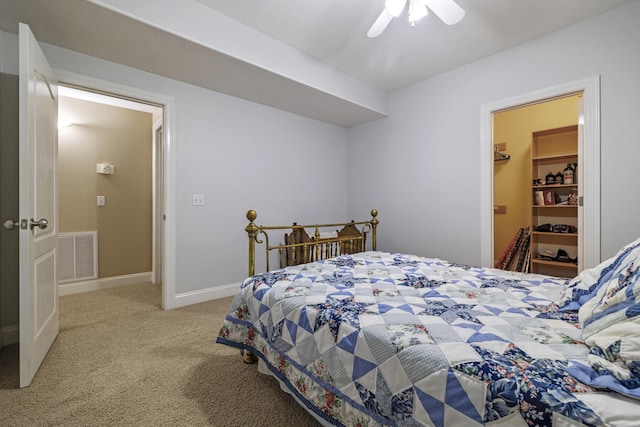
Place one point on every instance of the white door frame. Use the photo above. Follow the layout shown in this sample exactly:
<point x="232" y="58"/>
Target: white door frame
<point x="158" y="203"/>
<point x="590" y="163"/>
<point x="168" y="105"/>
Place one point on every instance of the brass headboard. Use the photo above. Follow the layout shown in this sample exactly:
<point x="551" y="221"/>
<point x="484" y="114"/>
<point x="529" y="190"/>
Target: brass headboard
<point x="299" y="247"/>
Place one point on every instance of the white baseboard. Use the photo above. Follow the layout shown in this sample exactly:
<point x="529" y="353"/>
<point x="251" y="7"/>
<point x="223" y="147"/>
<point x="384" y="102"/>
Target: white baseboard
<point x="9" y="335"/>
<point x="203" y="295"/>
<point x="104" y="283"/>
<point x="180" y="300"/>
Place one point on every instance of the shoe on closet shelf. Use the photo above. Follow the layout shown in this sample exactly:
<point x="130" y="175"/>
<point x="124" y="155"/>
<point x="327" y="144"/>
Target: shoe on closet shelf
<point x="563" y="256"/>
<point x="546" y="254"/>
<point x="564" y="228"/>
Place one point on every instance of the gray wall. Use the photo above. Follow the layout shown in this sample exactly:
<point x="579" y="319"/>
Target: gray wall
<point x="238" y="154"/>
<point x="8" y="206"/>
<point x="420" y="166"/>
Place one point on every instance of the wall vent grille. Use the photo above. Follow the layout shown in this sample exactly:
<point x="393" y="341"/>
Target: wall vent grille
<point x="78" y="256"/>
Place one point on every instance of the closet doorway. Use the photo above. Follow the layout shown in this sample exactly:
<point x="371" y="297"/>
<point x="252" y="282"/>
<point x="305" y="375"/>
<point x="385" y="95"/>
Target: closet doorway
<point x="588" y="159"/>
<point x="108" y="175"/>
<point x="520" y="223"/>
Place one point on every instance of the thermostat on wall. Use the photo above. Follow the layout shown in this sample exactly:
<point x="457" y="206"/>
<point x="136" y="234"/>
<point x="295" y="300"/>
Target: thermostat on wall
<point x="105" y="169"/>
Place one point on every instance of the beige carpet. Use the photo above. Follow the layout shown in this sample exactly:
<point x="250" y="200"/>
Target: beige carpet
<point x="121" y="360"/>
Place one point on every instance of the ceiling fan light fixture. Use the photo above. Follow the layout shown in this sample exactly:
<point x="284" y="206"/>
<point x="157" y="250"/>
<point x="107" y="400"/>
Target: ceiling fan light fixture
<point x="417" y="10"/>
<point x="394" y="7"/>
<point x="447" y="10"/>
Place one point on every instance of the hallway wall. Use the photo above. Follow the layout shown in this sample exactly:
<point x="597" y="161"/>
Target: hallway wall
<point x="106" y="134"/>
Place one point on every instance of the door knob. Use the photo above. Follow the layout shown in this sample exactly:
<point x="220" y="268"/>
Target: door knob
<point x="42" y="224"/>
<point x="11" y="224"/>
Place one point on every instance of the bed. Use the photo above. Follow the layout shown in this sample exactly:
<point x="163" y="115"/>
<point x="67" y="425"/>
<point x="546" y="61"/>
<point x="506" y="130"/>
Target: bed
<point x="371" y="338"/>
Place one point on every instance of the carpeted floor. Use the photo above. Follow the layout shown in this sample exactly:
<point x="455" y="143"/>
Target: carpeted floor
<point x="121" y="360"/>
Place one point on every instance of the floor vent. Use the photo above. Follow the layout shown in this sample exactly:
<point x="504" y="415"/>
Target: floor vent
<point x="78" y="256"/>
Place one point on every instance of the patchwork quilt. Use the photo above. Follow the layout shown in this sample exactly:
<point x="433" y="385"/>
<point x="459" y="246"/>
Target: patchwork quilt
<point x="376" y="338"/>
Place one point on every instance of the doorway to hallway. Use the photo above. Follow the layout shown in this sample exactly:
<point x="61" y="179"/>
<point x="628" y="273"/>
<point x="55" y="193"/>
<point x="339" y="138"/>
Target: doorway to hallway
<point x="108" y="177"/>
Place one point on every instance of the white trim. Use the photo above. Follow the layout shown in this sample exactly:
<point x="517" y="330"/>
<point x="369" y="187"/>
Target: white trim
<point x="590" y="87"/>
<point x="203" y="295"/>
<point x="155" y="241"/>
<point x="168" y="105"/>
<point x="104" y="283"/>
<point x="169" y="226"/>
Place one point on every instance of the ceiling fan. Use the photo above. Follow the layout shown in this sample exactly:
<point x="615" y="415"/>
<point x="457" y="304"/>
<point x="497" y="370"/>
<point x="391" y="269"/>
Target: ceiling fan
<point x="447" y="10"/>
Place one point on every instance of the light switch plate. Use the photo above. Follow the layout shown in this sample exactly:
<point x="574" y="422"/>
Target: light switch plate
<point x="101" y="201"/>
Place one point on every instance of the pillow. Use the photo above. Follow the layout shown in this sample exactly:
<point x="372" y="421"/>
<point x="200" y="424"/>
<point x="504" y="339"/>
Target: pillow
<point x="586" y="285"/>
<point x="582" y="287"/>
<point x="615" y="297"/>
<point x="610" y="322"/>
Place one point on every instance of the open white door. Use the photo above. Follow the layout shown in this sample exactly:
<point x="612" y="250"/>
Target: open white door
<point x="38" y="206"/>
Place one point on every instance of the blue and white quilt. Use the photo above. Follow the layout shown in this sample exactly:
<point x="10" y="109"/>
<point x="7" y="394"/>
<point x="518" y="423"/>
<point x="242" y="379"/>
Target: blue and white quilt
<point x="376" y="338"/>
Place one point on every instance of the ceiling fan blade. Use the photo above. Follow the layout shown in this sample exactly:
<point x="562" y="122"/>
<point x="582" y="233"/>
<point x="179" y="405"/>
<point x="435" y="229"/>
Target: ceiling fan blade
<point x="381" y="23"/>
<point x="447" y="10"/>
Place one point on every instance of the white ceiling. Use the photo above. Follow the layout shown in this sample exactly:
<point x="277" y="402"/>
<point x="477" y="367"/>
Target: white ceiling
<point x="334" y="32"/>
<point x="311" y="58"/>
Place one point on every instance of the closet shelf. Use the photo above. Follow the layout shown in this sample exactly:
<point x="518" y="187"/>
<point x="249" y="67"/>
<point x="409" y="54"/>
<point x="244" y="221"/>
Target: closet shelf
<point x="552" y="150"/>
<point x="549" y="233"/>
<point x="554" y="263"/>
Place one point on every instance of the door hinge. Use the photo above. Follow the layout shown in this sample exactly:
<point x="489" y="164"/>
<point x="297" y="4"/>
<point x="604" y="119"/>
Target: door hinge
<point x="581" y="201"/>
